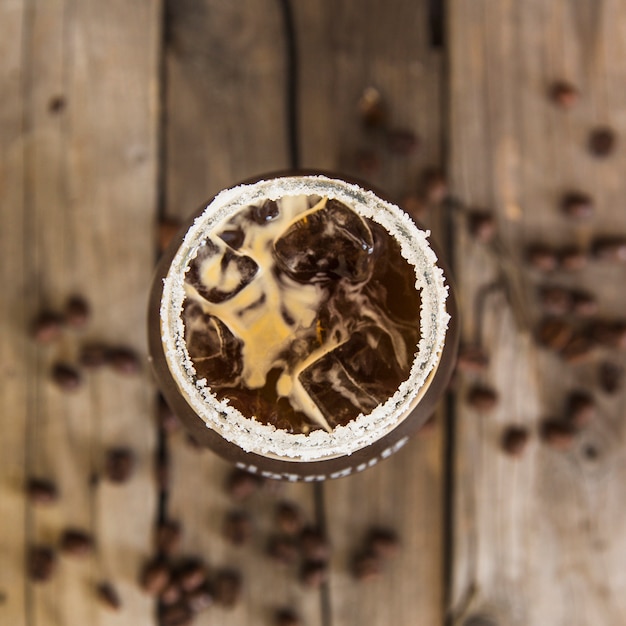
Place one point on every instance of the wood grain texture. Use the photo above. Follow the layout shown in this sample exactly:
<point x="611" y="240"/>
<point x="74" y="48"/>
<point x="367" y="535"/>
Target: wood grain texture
<point x="78" y="189"/>
<point x="537" y="539"/>
<point x="346" y="48"/>
<point x="226" y="122"/>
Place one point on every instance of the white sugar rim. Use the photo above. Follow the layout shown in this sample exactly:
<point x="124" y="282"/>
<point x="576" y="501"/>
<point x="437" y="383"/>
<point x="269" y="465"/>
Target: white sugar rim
<point x="266" y="440"/>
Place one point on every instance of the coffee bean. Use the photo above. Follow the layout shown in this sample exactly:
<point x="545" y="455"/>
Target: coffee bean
<point x="41" y="563"/>
<point x="93" y="355"/>
<point x="155" y="576"/>
<point x="237" y="528"/>
<point x="313" y="574"/>
<point x="168" y="536"/>
<point x="402" y="141"/>
<point x="77" y="312"/>
<point x="313" y="544"/>
<point x="472" y="359"/>
<point x="580" y="409"/>
<point x="382" y="542"/>
<point x="288" y="518"/>
<point x="482" y="226"/>
<point x="366" y="566"/>
<point x="564" y="94"/>
<point x="433" y="185"/>
<point x="167" y="230"/>
<point x="47" y="327"/>
<point x="579" y="349"/>
<point x="241" y="485"/>
<point x="76" y="542"/>
<point x="611" y="376"/>
<point x="577" y="205"/>
<point x="124" y="360"/>
<point x="514" y="440"/>
<point x="227" y="587"/>
<point x="191" y="574"/>
<point x="482" y="398"/>
<point x="573" y="258"/>
<point x="610" y="248"/>
<point x="109" y="596"/>
<point x="287" y="617"/>
<point x="555" y="300"/>
<point x="282" y="549"/>
<point x="558" y="434"/>
<point x="554" y="334"/>
<point x="178" y="614"/>
<point x="41" y="491"/>
<point x="171" y="594"/>
<point x="201" y="598"/>
<point x="372" y="109"/>
<point x="66" y="377"/>
<point x="119" y="465"/>
<point x="601" y="141"/>
<point x="542" y="257"/>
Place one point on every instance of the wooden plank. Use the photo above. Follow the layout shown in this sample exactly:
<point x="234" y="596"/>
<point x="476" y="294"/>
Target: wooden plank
<point x="226" y="122"/>
<point x="345" y="49"/>
<point x="537" y="539"/>
<point x="13" y="309"/>
<point x="89" y="148"/>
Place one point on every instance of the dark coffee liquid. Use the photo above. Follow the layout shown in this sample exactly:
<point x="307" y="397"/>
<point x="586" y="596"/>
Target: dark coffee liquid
<point x="301" y="313"/>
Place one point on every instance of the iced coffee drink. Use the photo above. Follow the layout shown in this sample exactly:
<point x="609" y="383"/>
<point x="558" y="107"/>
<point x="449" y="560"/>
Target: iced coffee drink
<point x="300" y="327"/>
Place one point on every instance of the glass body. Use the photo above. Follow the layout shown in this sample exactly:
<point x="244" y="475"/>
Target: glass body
<point x="320" y="454"/>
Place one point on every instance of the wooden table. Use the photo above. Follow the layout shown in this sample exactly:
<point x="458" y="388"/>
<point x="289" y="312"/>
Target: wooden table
<point x="118" y="115"/>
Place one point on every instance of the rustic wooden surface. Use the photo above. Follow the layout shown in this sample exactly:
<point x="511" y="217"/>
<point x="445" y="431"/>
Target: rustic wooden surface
<point x="117" y="115"/>
<point x="537" y="539"/>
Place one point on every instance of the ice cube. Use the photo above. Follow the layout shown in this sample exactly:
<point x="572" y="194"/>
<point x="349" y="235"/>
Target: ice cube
<point x="328" y="241"/>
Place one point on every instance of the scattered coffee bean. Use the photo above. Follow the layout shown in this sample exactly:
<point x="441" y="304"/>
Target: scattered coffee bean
<point x="66" y="377"/>
<point x="415" y="207"/>
<point x="579" y="349"/>
<point x="366" y="566"/>
<point x="227" y="587"/>
<point x="601" y="141"/>
<point x="178" y="614"/>
<point x="573" y="258"/>
<point x="167" y="229"/>
<point x="77" y="312"/>
<point x="237" y="528"/>
<point x="558" y="434"/>
<point x="584" y="304"/>
<point x="168" y="420"/>
<point x="372" y="109"/>
<point x="41" y="491"/>
<point x="472" y="359"/>
<point x="283" y="549"/>
<point x="155" y="577"/>
<point x="287" y="617"/>
<point x="577" y="205"/>
<point x="109" y="596"/>
<point x="580" y="409"/>
<point x="76" y="542"/>
<point x="382" y="542"/>
<point x="482" y="226"/>
<point x="191" y="574"/>
<point x="201" y="598"/>
<point x="93" y="355"/>
<point x="555" y="300"/>
<point x="514" y="440"/>
<point x="56" y="104"/>
<point x="554" y="334"/>
<point x="288" y="518"/>
<point x="241" y="485"/>
<point x="402" y="141"/>
<point x="47" y="327"/>
<point x="611" y="377"/>
<point x="314" y="545"/>
<point x="171" y="594"/>
<point x="119" y="465"/>
<point x="433" y="185"/>
<point x="41" y="563"/>
<point x="168" y="536"/>
<point x="124" y="361"/>
<point x="482" y="398"/>
<point x="367" y="162"/>
<point x="313" y="574"/>
<point x="610" y="248"/>
<point x="564" y="94"/>
<point x="542" y="257"/>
